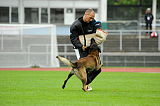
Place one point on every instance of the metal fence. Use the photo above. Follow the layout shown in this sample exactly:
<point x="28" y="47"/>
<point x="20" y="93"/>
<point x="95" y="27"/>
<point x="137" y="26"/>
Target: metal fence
<point x="138" y="36"/>
<point x="28" y="46"/>
<point x="122" y="48"/>
<point x="142" y="59"/>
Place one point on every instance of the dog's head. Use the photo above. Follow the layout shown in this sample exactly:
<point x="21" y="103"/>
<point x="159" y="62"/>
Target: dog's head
<point x="94" y="46"/>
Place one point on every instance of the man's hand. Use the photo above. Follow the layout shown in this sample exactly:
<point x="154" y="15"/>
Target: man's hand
<point x="84" y="48"/>
<point x="102" y="31"/>
<point x="98" y="24"/>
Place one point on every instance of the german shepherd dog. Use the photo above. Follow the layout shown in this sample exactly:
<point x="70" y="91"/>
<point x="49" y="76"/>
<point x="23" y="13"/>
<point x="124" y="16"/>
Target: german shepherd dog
<point x="81" y="66"/>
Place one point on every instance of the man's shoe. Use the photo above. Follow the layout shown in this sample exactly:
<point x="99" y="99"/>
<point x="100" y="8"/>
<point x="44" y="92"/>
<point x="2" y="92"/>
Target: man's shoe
<point x="89" y="88"/>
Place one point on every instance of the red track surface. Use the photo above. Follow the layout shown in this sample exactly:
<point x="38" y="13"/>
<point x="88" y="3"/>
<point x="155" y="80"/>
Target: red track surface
<point x="119" y="69"/>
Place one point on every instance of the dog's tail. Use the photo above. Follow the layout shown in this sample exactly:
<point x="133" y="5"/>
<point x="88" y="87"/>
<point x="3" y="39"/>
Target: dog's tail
<point x="65" y="61"/>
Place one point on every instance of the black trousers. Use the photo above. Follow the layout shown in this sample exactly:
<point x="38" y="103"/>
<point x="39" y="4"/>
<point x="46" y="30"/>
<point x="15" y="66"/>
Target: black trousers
<point x="149" y="27"/>
<point x="91" y="75"/>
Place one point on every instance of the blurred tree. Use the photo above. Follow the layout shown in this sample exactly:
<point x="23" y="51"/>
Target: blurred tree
<point x="127" y="10"/>
<point x="131" y="2"/>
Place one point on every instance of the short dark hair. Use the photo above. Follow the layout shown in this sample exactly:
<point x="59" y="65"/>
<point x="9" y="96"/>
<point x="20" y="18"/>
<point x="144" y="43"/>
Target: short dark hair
<point x="89" y="10"/>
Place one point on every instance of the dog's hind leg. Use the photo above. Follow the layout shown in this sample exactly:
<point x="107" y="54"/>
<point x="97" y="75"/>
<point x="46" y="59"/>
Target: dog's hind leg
<point x="69" y="76"/>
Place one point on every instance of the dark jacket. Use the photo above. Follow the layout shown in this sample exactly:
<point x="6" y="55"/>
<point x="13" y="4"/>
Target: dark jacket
<point x="148" y="18"/>
<point x="79" y="27"/>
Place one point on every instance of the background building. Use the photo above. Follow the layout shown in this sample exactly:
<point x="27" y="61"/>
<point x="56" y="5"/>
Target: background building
<point x="115" y="14"/>
<point x="47" y="11"/>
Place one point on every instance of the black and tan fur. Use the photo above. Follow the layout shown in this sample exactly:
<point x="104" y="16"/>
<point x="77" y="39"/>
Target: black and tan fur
<point x="91" y="62"/>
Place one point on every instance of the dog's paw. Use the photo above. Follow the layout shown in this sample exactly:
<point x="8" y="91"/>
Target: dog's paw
<point x="63" y="87"/>
<point x="84" y="89"/>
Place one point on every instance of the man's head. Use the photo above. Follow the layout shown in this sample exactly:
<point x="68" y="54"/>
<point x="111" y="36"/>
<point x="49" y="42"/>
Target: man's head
<point x="148" y="10"/>
<point x="88" y="15"/>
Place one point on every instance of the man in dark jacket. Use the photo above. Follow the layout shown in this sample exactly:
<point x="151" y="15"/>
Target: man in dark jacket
<point x="82" y="26"/>
<point x="148" y="20"/>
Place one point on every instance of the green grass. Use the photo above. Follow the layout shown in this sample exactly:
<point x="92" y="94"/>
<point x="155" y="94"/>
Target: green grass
<point x="43" y="88"/>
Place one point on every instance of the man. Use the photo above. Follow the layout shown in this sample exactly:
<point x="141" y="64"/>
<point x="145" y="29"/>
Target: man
<point x="83" y="26"/>
<point x="148" y="19"/>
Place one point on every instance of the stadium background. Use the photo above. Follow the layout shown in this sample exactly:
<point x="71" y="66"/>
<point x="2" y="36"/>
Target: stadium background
<point x="32" y="32"/>
<point x="126" y="44"/>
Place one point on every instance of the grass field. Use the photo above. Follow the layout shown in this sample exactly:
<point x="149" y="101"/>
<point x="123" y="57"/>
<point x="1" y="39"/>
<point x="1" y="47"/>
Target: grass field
<point x="43" y="88"/>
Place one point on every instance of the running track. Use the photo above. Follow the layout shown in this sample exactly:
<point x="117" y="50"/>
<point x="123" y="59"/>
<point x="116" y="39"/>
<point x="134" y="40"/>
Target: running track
<point x="119" y="69"/>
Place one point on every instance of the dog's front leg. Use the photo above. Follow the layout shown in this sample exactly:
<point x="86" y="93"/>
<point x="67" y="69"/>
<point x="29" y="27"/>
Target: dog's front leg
<point x="84" y="81"/>
<point x="69" y="76"/>
<point x="83" y="77"/>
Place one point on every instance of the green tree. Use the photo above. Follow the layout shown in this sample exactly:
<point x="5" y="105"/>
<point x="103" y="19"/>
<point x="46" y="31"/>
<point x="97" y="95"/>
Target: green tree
<point x="131" y="2"/>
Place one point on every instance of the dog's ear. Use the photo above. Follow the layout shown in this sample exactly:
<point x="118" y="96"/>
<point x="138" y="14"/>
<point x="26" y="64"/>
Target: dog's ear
<point x="99" y="50"/>
<point x="93" y="40"/>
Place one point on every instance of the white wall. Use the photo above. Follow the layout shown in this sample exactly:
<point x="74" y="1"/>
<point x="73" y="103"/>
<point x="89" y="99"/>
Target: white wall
<point x="9" y="2"/>
<point x="54" y="4"/>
